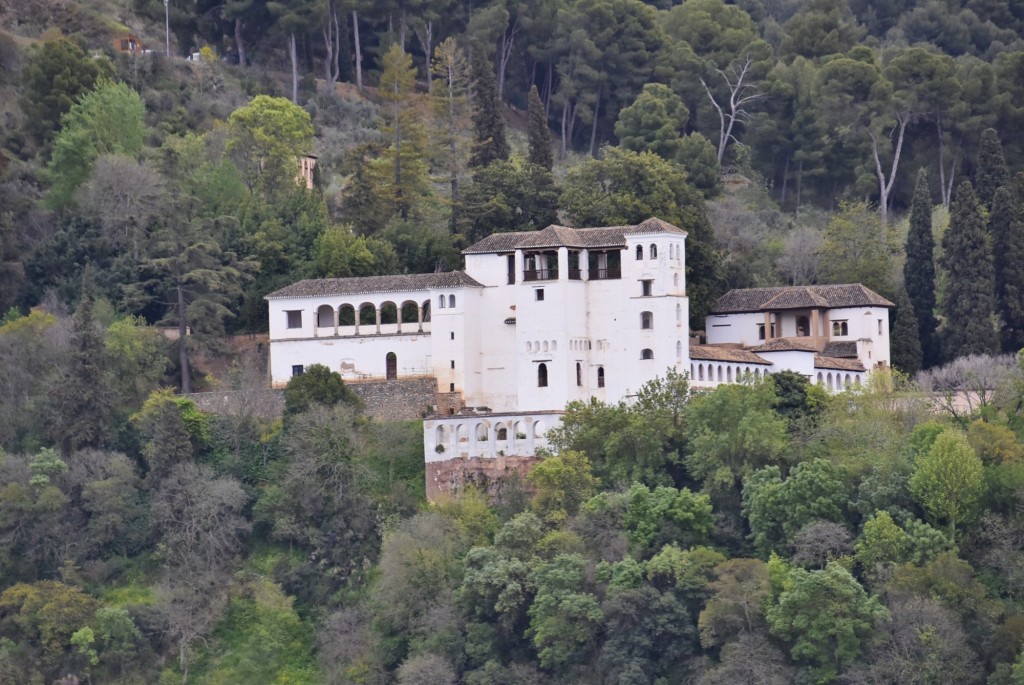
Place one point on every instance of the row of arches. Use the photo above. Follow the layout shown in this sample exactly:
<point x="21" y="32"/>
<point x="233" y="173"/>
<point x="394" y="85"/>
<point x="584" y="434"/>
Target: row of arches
<point x="504" y="435"/>
<point x="542" y="375"/>
<point x="409" y="313"/>
<point x="535" y="346"/>
<point x="727" y="373"/>
<point x="674" y="251"/>
<point x="839" y="381"/>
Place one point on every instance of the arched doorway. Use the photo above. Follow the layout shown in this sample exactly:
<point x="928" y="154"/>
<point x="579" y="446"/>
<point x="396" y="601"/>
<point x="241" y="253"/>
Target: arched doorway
<point x="391" y="364"/>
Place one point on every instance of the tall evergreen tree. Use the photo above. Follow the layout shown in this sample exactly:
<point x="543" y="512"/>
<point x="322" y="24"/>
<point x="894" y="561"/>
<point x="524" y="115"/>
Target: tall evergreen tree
<point x="991" y="172"/>
<point x="489" y="141"/>
<point x="403" y="166"/>
<point x="967" y="259"/>
<point x="1006" y="226"/>
<point x="906" y="346"/>
<point x="540" y="141"/>
<point x="919" y="270"/>
<point x="83" y="400"/>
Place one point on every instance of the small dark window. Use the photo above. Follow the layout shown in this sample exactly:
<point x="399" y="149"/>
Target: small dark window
<point x="579" y="374"/>
<point x="654" y="251"/>
<point x="452" y="334"/>
<point x="639" y="252"/>
<point x="539" y="294"/>
<point x="453" y="363"/>
<point x="760" y="331"/>
<point x="511" y="269"/>
<point x="646" y="354"/>
<point x="646" y="287"/>
<point x="451" y="301"/>
<point x="646" y="320"/>
<point x="297" y="370"/>
<point x="840" y="328"/>
<point x="600" y="376"/>
<point x="451" y="388"/>
<point x="502" y="434"/>
<point x="542" y="375"/>
<point x="803" y="327"/>
<point x="294" y="318"/>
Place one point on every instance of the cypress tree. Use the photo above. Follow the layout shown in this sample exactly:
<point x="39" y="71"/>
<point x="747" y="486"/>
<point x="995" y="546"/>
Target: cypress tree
<point x="1006" y="226"/>
<point x="970" y="299"/>
<point x="919" y="270"/>
<point x="906" y="346"/>
<point x="83" y="400"/>
<point x="540" y="141"/>
<point x="489" y="142"/>
<point x="991" y="172"/>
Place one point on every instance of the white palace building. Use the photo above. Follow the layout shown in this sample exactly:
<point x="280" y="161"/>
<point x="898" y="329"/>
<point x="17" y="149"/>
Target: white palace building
<point x="538" y="319"/>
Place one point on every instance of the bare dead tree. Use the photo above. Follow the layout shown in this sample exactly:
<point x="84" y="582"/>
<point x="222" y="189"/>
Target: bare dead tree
<point x="741" y="94"/>
<point x="885" y="183"/>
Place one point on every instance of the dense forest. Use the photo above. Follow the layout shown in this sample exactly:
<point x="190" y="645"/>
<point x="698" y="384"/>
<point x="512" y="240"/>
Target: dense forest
<point x="763" y="532"/>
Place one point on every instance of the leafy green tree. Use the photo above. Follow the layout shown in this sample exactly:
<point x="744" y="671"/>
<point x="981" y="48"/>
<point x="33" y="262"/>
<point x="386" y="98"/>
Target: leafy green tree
<point x="827" y="618"/>
<point x="84" y="399"/>
<point x="664" y="515"/>
<point x="489" y="141"/>
<point x="733" y="431"/>
<point x="401" y="171"/>
<point x="1006" y="226"/>
<point x="106" y="120"/>
<point x="340" y="253"/>
<point x="563" y="483"/>
<point x="507" y="195"/>
<point x="948" y="480"/>
<point x="565" y="619"/>
<point x="654" y="122"/>
<point x="739" y="598"/>
<point x="970" y="300"/>
<point x="137" y="356"/>
<point x="47" y="613"/>
<point x="853" y="253"/>
<point x="990" y="171"/>
<point x="906" y="346"/>
<point x="919" y="270"/>
<point x="698" y="158"/>
<point x="647" y="635"/>
<point x="777" y="509"/>
<point x="820" y="28"/>
<point x="538" y="134"/>
<point x="317" y="385"/>
<point x="881" y="543"/>
<point x="626" y="187"/>
<point x="55" y="76"/>
<point x="266" y="138"/>
<point x="173" y="430"/>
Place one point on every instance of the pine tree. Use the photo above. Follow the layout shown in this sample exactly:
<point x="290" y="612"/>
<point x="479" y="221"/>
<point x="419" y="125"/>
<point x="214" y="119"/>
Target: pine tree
<point x="83" y="399"/>
<point x="403" y="167"/>
<point x="540" y="141"/>
<point x="970" y="299"/>
<point x="1006" y="226"/>
<point x="906" y="346"/>
<point x="991" y="172"/>
<point x="489" y="142"/>
<point x="919" y="270"/>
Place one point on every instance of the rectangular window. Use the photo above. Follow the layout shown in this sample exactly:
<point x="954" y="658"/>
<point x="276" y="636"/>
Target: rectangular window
<point x="451" y="388"/>
<point x="880" y="327"/>
<point x="453" y="363"/>
<point x="294" y="318"/>
<point x="646" y="287"/>
<point x="452" y="334"/>
<point x="297" y="370"/>
<point x="539" y="293"/>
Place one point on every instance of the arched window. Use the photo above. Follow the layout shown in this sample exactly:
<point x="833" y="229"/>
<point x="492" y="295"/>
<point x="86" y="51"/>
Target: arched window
<point x="675" y="280"/>
<point x="542" y="375"/>
<point x="679" y="313"/>
<point x="679" y="349"/>
<point x="840" y="328"/>
<point x="579" y="374"/>
<point x="325" y="316"/>
<point x="646" y="320"/>
<point x="367" y="315"/>
<point x="700" y="372"/>
<point x="391" y="366"/>
<point x="388" y="313"/>
<point x="409" y="312"/>
<point x="646" y="353"/>
<point x="820" y="378"/>
<point x="654" y="251"/>
<point x="847" y="381"/>
<point x="671" y="251"/>
<point x="803" y="327"/>
<point x="545" y="345"/>
<point x="440" y="436"/>
<point x="346" y="315"/>
<point x="828" y="379"/>
<point x="440" y="301"/>
<point x="481" y="432"/>
<point x="502" y="432"/>
<point x="639" y="252"/>
<point x="600" y="376"/>
<point x="426" y="311"/>
<point x="728" y="374"/>
<point x="720" y="376"/>
<point x="451" y="302"/>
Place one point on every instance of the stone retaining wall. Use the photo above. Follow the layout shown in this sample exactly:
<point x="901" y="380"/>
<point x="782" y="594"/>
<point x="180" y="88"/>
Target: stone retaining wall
<point x="446" y="479"/>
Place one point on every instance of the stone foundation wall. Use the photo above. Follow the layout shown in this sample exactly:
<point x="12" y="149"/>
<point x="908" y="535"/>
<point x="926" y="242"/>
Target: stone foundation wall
<point x="397" y="400"/>
<point x="447" y="478"/>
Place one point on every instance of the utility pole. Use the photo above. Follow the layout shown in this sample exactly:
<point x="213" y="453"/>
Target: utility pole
<point x="167" y="25"/>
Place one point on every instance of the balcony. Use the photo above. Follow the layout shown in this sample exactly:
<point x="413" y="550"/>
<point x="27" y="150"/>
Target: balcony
<point x="606" y="274"/>
<point x="540" y="275"/>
